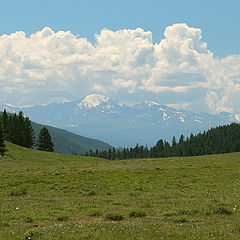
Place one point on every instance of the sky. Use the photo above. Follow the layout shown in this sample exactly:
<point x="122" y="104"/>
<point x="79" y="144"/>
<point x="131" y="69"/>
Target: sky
<point x="182" y="53"/>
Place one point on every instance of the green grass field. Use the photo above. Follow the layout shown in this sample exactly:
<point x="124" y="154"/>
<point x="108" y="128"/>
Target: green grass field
<point x="50" y="196"/>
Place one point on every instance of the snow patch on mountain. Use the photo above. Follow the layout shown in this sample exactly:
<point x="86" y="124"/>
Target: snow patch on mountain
<point x="93" y="100"/>
<point x="182" y="119"/>
<point x="196" y="120"/>
<point x="165" y="116"/>
<point x="97" y="101"/>
<point x="151" y="103"/>
<point x="237" y="117"/>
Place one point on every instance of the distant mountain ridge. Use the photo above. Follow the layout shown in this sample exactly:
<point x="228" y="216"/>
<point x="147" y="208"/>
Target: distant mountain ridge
<point x="107" y="119"/>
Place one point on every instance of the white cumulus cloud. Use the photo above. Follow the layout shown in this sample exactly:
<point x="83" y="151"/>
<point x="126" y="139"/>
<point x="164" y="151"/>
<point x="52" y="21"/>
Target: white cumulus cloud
<point x="51" y="66"/>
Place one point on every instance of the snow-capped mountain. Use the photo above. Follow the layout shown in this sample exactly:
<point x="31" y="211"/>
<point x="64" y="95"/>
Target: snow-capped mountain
<point x="109" y="120"/>
<point x="98" y="101"/>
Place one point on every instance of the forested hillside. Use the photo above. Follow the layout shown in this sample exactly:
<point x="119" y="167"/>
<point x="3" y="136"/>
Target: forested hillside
<point x="70" y="143"/>
<point x="18" y="129"/>
<point x="222" y="139"/>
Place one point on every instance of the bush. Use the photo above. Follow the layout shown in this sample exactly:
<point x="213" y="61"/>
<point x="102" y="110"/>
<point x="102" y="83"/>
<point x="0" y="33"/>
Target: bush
<point x="28" y="220"/>
<point x="87" y="192"/>
<point x="18" y="192"/>
<point x="169" y="214"/>
<point x="32" y="233"/>
<point x="188" y="211"/>
<point x="63" y="218"/>
<point x="222" y="210"/>
<point x="179" y="219"/>
<point x="94" y="212"/>
<point x="114" y="217"/>
<point x="137" y="213"/>
<point x="91" y="193"/>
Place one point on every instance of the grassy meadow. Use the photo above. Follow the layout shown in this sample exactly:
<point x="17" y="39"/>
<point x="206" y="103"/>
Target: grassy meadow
<point x="49" y="196"/>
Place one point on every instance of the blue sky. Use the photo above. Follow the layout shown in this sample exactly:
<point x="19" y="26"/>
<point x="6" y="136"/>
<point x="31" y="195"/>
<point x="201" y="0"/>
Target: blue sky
<point x="218" y="19"/>
<point x="183" y="53"/>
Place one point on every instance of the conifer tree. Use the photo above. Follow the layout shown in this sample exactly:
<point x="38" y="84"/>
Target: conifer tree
<point x="2" y="145"/>
<point x="5" y="125"/>
<point x="109" y="155"/>
<point x="14" y="129"/>
<point x="28" y="133"/>
<point x="21" y="138"/>
<point x="45" y="141"/>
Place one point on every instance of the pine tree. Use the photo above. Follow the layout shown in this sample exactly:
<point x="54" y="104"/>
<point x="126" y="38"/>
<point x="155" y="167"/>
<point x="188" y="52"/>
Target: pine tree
<point x="109" y="154"/>
<point x="14" y="129"/>
<point x="21" y="138"/>
<point x="113" y="154"/>
<point x="160" y="148"/>
<point x="2" y="145"/>
<point x="28" y="133"/>
<point x="5" y="125"/>
<point x="174" y="145"/>
<point x="146" y="152"/>
<point x="45" y="141"/>
<point x="180" y="146"/>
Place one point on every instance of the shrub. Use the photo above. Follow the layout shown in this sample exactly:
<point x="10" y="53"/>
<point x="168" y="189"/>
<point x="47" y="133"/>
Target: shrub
<point x="137" y="213"/>
<point x="179" y="219"/>
<point x="169" y="213"/>
<point x="91" y="193"/>
<point x="18" y="192"/>
<point x="28" y="220"/>
<point x="63" y="218"/>
<point x="114" y="217"/>
<point x="222" y="210"/>
<point x="32" y="233"/>
<point x="94" y="212"/>
<point x="87" y="192"/>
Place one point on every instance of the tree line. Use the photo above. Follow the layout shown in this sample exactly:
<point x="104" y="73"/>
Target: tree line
<point x="222" y="139"/>
<point x="17" y="129"/>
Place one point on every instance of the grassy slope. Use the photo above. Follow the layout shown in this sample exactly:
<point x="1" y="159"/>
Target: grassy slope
<point x="52" y="196"/>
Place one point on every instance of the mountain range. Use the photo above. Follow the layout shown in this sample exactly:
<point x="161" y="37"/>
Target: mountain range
<point x="109" y="120"/>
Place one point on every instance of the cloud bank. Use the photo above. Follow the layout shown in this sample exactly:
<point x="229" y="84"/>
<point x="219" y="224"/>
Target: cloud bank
<point x="51" y="66"/>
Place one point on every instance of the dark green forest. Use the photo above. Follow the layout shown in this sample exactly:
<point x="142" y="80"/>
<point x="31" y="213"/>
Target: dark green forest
<point x="222" y="139"/>
<point x="17" y="129"/>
